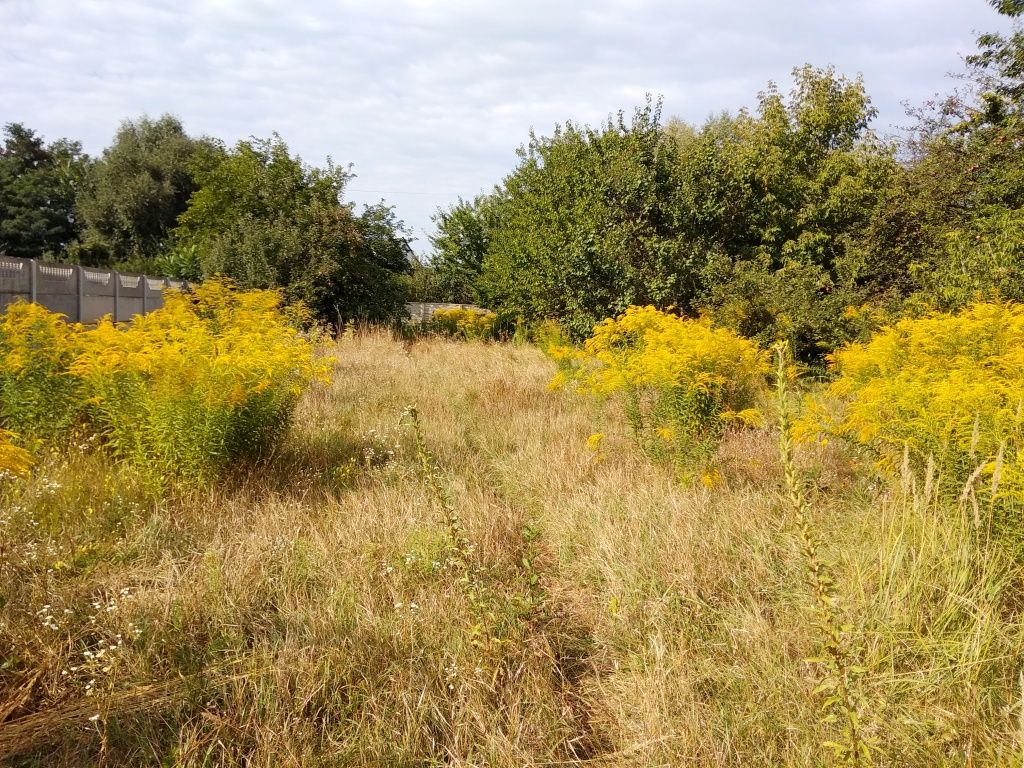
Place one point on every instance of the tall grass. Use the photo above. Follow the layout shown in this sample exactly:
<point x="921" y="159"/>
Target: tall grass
<point x="301" y="612"/>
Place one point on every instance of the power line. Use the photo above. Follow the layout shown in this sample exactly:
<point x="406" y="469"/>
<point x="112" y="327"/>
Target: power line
<point x="400" y="192"/>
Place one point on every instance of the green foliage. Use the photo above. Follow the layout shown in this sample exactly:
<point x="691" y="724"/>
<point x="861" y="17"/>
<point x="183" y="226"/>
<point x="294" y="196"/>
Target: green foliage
<point x="421" y="283"/>
<point x="681" y="381"/>
<point x="1008" y="7"/>
<point x="257" y="178"/>
<point x="460" y="245"/>
<point x="759" y="218"/>
<point x="180" y="262"/>
<point x="136" y="191"/>
<point x="38" y="183"/>
<point x="267" y="220"/>
<point x="985" y="259"/>
<point x="374" y="282"/>
<point x="585" y="225"/>
<point x="954" y="218"/>
<point x="777" y="202"/>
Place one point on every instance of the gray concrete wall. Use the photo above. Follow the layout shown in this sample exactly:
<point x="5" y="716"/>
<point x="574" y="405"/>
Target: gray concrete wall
<point x="81" y="294"/>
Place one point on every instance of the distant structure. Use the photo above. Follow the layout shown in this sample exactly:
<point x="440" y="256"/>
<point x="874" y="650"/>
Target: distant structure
<point x="420" y="311"/>
<point x="81" y="294"/>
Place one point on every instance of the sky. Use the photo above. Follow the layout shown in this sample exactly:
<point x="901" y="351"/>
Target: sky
<point x="428" y="99"/>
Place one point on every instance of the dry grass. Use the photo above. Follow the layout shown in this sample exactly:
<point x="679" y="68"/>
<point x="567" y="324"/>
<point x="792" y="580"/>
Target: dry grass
<point x="314" y="610"/>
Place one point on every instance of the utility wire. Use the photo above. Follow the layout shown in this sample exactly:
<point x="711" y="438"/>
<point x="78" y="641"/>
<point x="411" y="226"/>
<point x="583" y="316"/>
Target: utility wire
<point x="398" y="192"/>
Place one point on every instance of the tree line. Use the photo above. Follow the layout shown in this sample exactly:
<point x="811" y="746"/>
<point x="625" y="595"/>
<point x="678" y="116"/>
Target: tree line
<point x="789" y="220"/>
<point x="792" y="220"/>
<point x="158" y="200"/>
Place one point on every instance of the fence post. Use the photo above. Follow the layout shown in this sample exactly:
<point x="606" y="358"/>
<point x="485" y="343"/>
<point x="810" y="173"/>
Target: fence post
<point x="144" y="281"/>
<point x="80" y="285"/>
<point x="116" y="277"/>
<point x="33" y="280"/>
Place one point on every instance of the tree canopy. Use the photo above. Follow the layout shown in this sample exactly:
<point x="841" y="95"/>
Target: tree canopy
<point x="38" y="184"/>
<point x="136" y="191"/>
<point x="756" y="217"/>
<point x="268" y="220"/>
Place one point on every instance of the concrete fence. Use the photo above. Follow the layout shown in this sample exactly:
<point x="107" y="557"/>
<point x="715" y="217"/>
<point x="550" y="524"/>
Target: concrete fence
<point x="81" y="294"/>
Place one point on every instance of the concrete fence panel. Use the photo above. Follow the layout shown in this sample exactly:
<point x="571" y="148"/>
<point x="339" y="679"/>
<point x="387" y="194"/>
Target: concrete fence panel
<point x="15" y="280"/>
<point x="131" y="298"/>
<point x="154" y="292"/>
<point x="97" y="294"/>
<point x="57" y="288"/>
<point x="81" y="294"/>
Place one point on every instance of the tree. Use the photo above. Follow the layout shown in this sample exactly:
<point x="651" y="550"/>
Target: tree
<point x="1008" y="7"/>
<point x="776" y="205"/>
<point x="759" y="218"/>
<point x="38" y="183"/>
<point x="370" y="286"/>
<point x="460" y="245"/>
<point x="957" y="211"/>
<point x="267" y="220"/>
<point x="137" y="190"/>
<point x="586" y="225"/>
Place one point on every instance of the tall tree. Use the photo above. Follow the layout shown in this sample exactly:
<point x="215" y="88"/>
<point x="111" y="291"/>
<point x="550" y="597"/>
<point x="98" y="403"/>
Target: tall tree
<point x="777" y="203"/>
<point x="460" y="244"/>
<point x="267" y="220"/>
<point x="137" y="189"/>
<point x="586" y="225"/>
<point x="38" y="183"/>
<point x="759" y="218"/>
<point x="958" y="209"/>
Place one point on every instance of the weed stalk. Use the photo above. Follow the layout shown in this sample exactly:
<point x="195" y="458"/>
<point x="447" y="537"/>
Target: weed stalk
<point x="842" y="674"/>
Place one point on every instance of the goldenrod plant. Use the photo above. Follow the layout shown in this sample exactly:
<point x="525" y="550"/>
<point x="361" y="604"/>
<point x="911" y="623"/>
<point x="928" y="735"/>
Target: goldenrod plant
<point x="38" y="398"/>
<point x="681" y="381"/>
<point x="840" y="686"/>
<point x="14" y="460"/>
<point x="464" y="323"/>
<point x="940" y="400"/>
<point x="211" y="376"/>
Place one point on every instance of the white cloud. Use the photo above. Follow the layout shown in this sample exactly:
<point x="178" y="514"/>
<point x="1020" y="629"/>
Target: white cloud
<point x="429" y="98"/>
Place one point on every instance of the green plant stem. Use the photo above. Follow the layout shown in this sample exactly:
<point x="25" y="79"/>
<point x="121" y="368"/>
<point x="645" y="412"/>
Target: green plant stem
<point x="837" y="660"/>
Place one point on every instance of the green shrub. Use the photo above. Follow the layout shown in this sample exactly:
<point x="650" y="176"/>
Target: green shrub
<point x="38" y="398"/>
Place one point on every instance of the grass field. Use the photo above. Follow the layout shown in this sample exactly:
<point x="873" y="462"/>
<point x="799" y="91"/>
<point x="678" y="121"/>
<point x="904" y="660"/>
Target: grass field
<point x="508" y="596"/>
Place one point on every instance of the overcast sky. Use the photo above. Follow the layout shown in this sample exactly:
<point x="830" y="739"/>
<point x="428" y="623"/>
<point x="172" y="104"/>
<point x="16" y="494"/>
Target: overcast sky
<point x="429" y="99"/>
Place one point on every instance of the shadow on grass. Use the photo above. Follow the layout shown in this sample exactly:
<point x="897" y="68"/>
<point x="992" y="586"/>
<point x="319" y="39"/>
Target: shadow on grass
<point x="322" y="462"/>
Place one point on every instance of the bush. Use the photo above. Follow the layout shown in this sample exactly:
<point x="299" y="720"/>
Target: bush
<point x="464" y="323"/>
<point x="210" y="377"/>
<point x="681" y="380"/>
<point x="37" y="396"/>
<point x="941" y="396"/>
